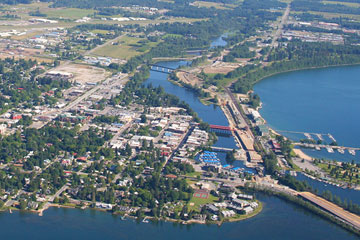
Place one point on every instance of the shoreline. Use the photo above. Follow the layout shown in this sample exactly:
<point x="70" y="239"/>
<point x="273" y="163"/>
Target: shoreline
<point x="301" y="69"/>
<point x="303" y="155"/>
<point x="40" y="212"/>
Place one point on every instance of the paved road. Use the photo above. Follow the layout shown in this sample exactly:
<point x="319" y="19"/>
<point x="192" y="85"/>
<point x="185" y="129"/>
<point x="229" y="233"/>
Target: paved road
<point x="280" y="26"/>
<point x="57" y="194"/>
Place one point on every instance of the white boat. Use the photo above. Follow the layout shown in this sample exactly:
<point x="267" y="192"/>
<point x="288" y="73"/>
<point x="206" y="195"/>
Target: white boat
<point x="352" y="152"/>
<point x="330" y="150"/>
<point x="318" y="148"/>
<point x="340" y="150"/>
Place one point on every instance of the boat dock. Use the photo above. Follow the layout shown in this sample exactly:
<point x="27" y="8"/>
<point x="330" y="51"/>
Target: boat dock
<point x="331" y="137"/>
<point x="329" y="148"/>
<point x="308" y="136"/>
<point x="319" y="137"/>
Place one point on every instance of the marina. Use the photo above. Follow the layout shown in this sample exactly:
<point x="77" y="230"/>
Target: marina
<point x="210" y="158"/>
<point x="309" y="135"/>
<point x="329" y="148"/>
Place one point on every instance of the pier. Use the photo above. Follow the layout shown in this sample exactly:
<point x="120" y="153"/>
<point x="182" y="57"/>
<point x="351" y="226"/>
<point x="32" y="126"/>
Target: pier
<point x="319" y="137"/>
<point x="308" y="134"/>
<point x="307" y="145"/>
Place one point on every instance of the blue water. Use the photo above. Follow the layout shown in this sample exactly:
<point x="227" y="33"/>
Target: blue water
<point x="278" y="220"/>
<point x="349" y="194"/>
<point x="320" y="100"/>
<point x="219" y="42"/>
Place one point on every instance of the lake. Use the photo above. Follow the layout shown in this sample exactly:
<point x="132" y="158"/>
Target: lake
<point x="317" y="101"/>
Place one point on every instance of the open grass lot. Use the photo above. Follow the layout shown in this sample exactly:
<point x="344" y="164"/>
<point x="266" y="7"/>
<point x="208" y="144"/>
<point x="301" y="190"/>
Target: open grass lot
<point x="194" y="174"/>
<point x="214" y="4"/>
<point x="127" y="47"/>
<point x="331" y="15"/>
<point x="23" y="11"/>
<point x="68" y="13"/>
<point x="337" y="15"/>
<point x="195" y="203"/>
<point x="99" y="31"/>
<point x="350" y="4"/>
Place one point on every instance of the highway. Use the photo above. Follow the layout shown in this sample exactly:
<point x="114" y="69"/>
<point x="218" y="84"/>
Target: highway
<point x="339" y="212"/>
<point x="280" y="27"/>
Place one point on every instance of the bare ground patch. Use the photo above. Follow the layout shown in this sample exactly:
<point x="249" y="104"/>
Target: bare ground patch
<point x="84" y="73"/>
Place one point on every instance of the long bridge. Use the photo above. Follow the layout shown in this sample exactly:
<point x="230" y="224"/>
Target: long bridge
<point x="340" y="213"/>
<point x="219" y="127"/>
<point x="163" y="69"/>
<point x="221" y="149"/>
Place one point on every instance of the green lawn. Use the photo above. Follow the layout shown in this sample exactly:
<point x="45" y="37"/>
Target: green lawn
<point x="193" y="174"/>
<point x="69" y="13"/>
<point x="200" y="201"/>
<point x="128" y="47"/>
<point x="214" y="4"/>
<point x="349" y="4"/>
<point x="99" y="31"/>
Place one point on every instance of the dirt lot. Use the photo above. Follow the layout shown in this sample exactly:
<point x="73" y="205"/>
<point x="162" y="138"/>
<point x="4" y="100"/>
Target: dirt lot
<point x="223" y="68"/>
<point x="188" y="78"/>
<point x="84" y="73"/>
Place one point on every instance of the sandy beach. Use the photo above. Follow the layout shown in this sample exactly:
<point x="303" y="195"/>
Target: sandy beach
<point x="302" y="155"/>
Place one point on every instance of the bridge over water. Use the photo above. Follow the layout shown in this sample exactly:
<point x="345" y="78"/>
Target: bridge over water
<point x="222" y="149"/>
<point x="163" y="69"/>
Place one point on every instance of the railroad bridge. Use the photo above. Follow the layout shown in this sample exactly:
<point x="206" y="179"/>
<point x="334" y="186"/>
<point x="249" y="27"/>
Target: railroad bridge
<point x="221" y="129"/>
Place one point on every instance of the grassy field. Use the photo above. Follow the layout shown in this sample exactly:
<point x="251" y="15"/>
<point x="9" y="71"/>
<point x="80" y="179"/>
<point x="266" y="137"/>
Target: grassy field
<point x="337" y="15"/>
<point x="200" y="201"/>
<point x="331" y="15"/>
<point x="69" y="13"/>
<point x="194" y="174"/>
<point x="128" y="47"/>
<point x="99" y="31"/>
<point x="214" y="4"/>
<point x="350" y="4"/>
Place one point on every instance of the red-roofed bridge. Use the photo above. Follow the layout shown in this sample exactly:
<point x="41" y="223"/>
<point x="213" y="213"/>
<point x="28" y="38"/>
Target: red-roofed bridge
<point x="218" y="127"/>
